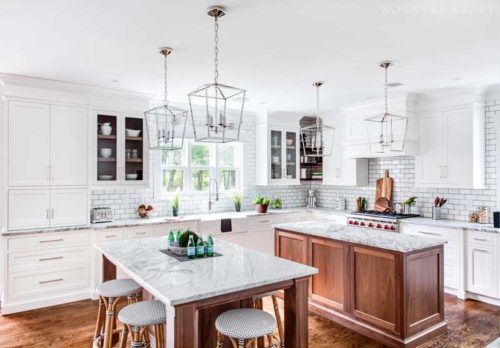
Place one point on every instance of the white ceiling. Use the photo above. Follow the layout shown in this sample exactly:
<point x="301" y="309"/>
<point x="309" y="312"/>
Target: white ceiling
<point x="275" y="49"/>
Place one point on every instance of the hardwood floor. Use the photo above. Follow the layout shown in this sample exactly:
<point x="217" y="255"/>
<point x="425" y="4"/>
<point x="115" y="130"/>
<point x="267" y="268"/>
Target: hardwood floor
<point x="470" y="324"/>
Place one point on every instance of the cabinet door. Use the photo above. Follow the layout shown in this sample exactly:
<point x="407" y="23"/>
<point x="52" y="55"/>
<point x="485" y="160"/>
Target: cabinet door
<point x="328" y="285"/>
<point x="68" y="145"/>
<point x="68" y="207"/>
<point x="480" y="270"/>
<point x="458" y="163"/>
<point x="28" y="209"/>
<point x="430" y="159"/>
<point x="291" y="246"/>
<point x="28" y="138"/>
<point x="276" y="159"/>
<point x="291" y="155"/>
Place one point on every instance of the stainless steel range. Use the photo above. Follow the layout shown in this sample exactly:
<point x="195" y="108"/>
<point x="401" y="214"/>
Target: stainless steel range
<point x="377" y="220"/>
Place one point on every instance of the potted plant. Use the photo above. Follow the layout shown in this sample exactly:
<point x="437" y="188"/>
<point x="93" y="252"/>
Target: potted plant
<point x="408" y="203"/>
<point x="262" y="203"/>
<point x="175" y="205"/>
<point x="237" y="202"/>
<point x="276" y="203"/>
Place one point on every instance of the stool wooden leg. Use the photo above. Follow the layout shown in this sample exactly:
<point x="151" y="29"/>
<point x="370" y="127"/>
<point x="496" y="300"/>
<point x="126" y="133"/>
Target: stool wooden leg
<point x="101" y="312"/>
<point x="160" y="341"/>
<point x="145" y="337"/>
<point x="241" y="343"/>
<point x="220" y="340"/>
<point x="270" y="341"/>
<point x="123" y="339"/>
<point x="136" y="337"/>
<point x="278" y="320"/>
<point x="110" y="321"/>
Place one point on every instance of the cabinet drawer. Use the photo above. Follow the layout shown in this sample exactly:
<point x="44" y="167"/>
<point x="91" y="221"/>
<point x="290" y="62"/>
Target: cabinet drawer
<point x="45" y="283"/>
<point x="482" y="238"/>
<point x="45" y="260"/>
<point x="139" y="232"/>
<point x="261" y="222"/>
<point x="164" y="229"/>
<point x="45" y="241"/>
<point x="449" y="234"/>
<point x="112" y="234"/>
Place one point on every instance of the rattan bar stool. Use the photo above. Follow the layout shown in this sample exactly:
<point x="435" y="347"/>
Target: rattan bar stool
<point x="244" y="326"/>
<point x="137" y="317"/>
<point x="257" y="302"/>
<point x="110" y="293"/>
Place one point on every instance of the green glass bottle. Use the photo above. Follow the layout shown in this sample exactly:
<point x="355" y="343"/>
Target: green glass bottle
<point x="191" y="248"/>
<point x="200" y="247"/>
<point x="171" y="238"/>
<point x="179" y="233"/>
<point x="210" y="246"/>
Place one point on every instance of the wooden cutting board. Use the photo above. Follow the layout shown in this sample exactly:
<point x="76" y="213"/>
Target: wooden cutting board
<point x="384" y="188"/>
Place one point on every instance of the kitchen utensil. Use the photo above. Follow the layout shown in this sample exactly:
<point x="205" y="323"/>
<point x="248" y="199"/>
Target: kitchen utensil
<point x="131" y="176"/>
<point x="133" y="132"/>
<point x="382" y="204"/>
<point x="105" y="128"/>
<point x="359" y="204"/>
<point x="437" y="213"/>
<point x="439" y="202"/>
<point x="106" y="152"/>
<point x="105" y="177"/>
<point x="384" y="188"/>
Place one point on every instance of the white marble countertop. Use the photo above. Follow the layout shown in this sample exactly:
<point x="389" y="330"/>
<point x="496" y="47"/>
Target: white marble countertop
<point x="456" y="224"/>
<point x="174" y="282"/>
<point x="379" y="239"/>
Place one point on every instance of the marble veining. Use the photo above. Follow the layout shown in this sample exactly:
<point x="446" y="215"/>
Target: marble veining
<point x="174" y="282"/>
<point x="460" y="225"/>
<point x="380" y="239"/>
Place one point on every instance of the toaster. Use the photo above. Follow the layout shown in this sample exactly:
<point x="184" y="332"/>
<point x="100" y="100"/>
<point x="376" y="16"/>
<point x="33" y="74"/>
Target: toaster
<point x="101" y="215"/>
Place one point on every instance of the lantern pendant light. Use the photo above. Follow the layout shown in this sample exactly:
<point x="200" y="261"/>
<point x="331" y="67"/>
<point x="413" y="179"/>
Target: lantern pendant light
<point x="389" y="133"/>
<point x="216" y="109"/>
<point x="317" y="138"/>
<point x="165" y="124"/>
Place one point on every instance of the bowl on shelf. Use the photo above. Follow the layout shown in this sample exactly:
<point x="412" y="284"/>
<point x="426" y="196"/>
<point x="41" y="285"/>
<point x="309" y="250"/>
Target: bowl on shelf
<point x="133" y="132"/>
<point x="289" y="142"/>
<point x="131" y="176"/>
<point x="105" y="177"/>
<point x="106" y="152"/>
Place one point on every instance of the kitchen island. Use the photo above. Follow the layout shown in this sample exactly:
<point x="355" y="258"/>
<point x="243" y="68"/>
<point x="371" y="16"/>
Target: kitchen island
<point x="385" y="285"/>
<point x="195" y="292"/>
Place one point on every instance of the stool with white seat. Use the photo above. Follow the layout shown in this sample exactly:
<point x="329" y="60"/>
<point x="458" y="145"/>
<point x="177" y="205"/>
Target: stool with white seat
<point x="244" y="326"/>
<point x="110" y="293"/>
<point x="257" y="302"/>
<point x="137" y="317"/>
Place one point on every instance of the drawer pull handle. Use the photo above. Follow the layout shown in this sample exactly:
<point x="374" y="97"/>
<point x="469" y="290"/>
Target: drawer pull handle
<point x="50" y="281"/>
<point x="263" y="221"/>
<point x="51" y="258"/>
<point x="481" y="250"/>
<point x="51" y="240"/>
<point x="141" y="233"/>
<point x="481" y="239"/>
<point x="429" y="233"/>
<point x="111" y="236"/>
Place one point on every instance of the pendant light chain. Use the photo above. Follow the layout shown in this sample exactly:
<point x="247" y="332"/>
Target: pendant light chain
<point x="386" y="107"/>
<point x="216" y="49"/>
<point x="317" y="105"/>
<point x="165" y="83"/>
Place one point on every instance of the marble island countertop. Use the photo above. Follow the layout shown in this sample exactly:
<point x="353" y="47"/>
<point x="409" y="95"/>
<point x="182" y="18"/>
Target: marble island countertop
<point x="174" y="282"/>
<point x="379" y="239"/>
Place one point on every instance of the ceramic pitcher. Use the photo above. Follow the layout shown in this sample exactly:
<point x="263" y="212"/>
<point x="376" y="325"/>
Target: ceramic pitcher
<point x="105" y="128"/>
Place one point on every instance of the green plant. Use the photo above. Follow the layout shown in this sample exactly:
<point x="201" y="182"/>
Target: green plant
<point x="261" y="200"/>
<point x="184" y="238"/>
<point x="276" y="203"/>
<point x="237" y="199"/>
<point x="410" y="201"/>
<point x="175" y="202"/>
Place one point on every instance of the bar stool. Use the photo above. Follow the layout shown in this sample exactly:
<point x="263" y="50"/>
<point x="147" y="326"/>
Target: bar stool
<point x="137" y="317"/>
<point x="110" y="293"/>
<point x="257" y="303"/>
<point x="244" y="326"/>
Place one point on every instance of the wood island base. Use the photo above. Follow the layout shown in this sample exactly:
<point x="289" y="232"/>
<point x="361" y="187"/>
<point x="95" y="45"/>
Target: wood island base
<point x="396" y="298"/>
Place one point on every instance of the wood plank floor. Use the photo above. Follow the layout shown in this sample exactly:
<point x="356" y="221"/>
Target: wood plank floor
<point x="470" y="324"/>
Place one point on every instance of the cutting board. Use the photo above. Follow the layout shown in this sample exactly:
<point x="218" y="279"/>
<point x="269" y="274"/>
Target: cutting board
<point x="384" y="188"/>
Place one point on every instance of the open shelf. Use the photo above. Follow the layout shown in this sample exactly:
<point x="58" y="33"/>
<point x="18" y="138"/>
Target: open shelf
<point x="133" y="138"/>
<point x="134" y="160"/>
<point x="106" y="137"/>
<point x="108" y="159"/>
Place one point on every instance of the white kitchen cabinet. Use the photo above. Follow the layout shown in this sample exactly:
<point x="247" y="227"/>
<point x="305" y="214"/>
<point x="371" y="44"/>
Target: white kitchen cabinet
<point x="337" y="168"/>
<point x="47" y="145"/>
<point x="68" y="146"/>
<point x="452" y="149"/>
<point x="42" y="208"/>
<point x="481" y="277"/>
<point x="236" y="238"/>
<point x="28" y="209"/>
<point x="28" y="144"/>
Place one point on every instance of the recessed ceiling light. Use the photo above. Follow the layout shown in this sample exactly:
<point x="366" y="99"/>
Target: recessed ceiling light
<point x="394" y="84"/>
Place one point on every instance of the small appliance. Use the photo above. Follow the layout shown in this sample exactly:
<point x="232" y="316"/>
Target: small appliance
<point x="101" y="215"/>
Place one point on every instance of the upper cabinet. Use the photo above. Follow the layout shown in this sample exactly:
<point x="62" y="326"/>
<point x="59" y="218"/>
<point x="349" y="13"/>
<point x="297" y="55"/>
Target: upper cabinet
<point x="120" y="150"/>
<point x="452" y="147"/>
<point x="47" y="145"/>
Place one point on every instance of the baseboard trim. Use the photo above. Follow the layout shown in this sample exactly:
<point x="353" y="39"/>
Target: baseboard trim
<point x="482" y="298"/>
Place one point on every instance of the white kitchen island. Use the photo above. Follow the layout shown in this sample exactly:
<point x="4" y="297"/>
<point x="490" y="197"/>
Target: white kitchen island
<point x="195" y="292"/>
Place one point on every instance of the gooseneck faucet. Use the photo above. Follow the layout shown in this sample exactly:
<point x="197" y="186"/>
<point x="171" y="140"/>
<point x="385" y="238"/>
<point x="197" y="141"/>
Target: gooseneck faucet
<point x="210" y="202"/>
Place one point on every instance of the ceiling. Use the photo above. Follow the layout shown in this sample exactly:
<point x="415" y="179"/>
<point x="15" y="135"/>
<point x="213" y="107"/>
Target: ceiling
<point x="274" y="49"/>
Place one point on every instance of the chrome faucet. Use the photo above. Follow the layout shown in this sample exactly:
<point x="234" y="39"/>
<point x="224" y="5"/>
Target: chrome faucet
<point x="210" y="202"/>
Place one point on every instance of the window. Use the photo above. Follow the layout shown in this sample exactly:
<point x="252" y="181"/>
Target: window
<point x="190" y="169"/>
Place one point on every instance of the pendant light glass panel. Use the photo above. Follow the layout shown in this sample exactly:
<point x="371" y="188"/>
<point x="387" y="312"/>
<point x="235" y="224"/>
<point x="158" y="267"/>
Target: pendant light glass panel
<point x="317" y="138"/>
<point x="217" y="109"/>
<point x="386" y="131"/>
<point x="165" y="124"/>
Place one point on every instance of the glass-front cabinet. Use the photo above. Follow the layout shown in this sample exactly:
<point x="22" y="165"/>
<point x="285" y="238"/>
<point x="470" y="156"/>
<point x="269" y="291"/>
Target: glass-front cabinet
<point x="283" y="156"/>
<point x="120" y="156"/>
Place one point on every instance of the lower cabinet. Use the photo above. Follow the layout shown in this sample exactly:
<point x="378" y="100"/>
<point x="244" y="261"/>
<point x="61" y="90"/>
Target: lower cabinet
<point x="481" y="269"/>
<point x="291" y="246"/>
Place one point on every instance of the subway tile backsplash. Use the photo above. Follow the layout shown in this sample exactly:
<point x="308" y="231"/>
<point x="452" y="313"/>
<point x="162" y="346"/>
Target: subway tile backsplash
<point x="461" y="202"/>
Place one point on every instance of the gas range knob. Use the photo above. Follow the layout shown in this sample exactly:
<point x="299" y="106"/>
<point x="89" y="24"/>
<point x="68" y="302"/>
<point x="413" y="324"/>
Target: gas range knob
<point x="370" y="225"/>
<point x="393" y="228"/>
<point x="356" y="223"/>
<point x="351" y="222"/>
<point x="386" y="227"/>
<point x="379" y="226"/>
<point x="361" y="223"/>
